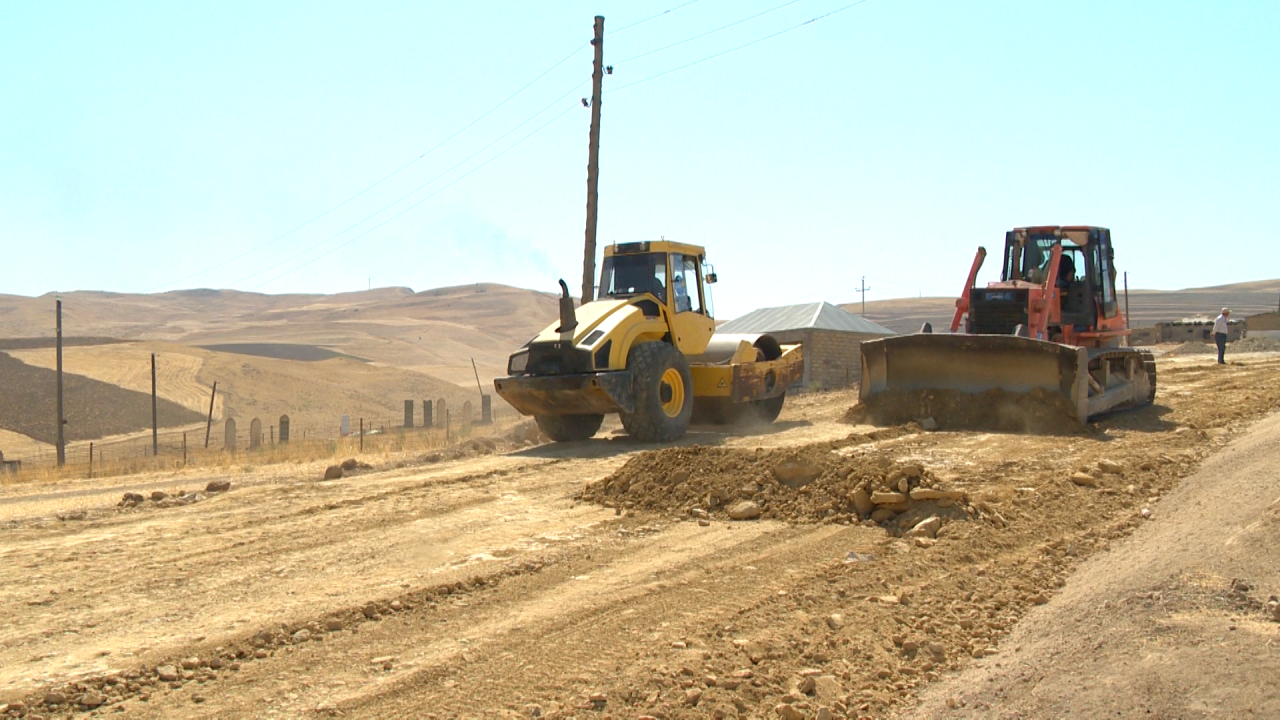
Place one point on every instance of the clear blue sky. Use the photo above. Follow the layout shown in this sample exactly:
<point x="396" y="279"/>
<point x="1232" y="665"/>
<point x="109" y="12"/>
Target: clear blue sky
<point x="142" y="143"/>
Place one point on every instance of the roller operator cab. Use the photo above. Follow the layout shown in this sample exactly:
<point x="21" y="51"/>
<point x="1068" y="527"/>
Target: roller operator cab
<point x="646" y="348"/>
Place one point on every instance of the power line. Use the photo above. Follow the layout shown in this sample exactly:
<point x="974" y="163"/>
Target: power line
<point x="652" y="77"/>
<point x="651" y="17"/>
<point x="499" y="139"/>
<point x="437" y="192"/>
<point x="390" y="175"/>
<point x="709" y="32"/>
<point x="388" y="206"/>
<point x="739" y="47"/>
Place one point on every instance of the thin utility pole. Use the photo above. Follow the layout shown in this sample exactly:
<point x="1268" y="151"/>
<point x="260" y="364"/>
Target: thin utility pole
<point x="62" y="441"/>
<point x="1127" y="322"/>
<point x="155" y="432"/>
<point x="593" y="165"/>
<point x="864" y="290"/>
<point x="209" y="425"/>
<point x="477" y="372"/>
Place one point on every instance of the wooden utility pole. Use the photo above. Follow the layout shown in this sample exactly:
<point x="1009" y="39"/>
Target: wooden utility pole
<point x="155" y="430"/>
<point x="62" y="441"/>
<point x="1127" y="322"/>
<point x="593" y="165"/>
<point x="209" y="425"/>
<point x="477" y="372"/>
<point x="864" y="290"/>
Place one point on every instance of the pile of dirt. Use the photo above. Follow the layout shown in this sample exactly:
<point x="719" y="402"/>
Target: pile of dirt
<point x="1249" y="344"/>
<point x="1037" y="412"/>
<point x="830" y="482"/>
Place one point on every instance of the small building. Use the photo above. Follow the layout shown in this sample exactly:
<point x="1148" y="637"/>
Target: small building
<point x="1201" y="329"/>
<point x="1268" y="322"/>
<point x="831" y="337"/>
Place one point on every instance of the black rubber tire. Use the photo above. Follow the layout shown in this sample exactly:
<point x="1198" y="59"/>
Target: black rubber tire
<point x="648" y="362"/>
<point x="567" y="428"/>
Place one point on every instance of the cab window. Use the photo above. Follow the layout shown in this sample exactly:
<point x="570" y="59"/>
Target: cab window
<point x="684" y="283"/>
<point x="627" y="275"/>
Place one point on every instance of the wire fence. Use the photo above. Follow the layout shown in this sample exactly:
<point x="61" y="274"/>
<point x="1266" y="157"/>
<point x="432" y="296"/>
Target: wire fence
<point x="186" y="447"/>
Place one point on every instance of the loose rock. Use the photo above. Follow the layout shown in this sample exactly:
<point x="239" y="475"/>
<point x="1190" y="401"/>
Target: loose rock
<point x="888" y="498"/>
<point x="333" y="472"/>
<point x="1084" y="479"/>
<point x="745" y="510"/>
<point x="217" y="486"/>
<point x="1111" y="467"/>
<point x="862" y="503"/>
<point x="796" y="473"/>
<point x="927" y="528"/>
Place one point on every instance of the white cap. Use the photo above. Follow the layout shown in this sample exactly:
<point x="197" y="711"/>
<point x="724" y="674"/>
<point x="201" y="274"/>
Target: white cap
<point x="1226" y="310"/>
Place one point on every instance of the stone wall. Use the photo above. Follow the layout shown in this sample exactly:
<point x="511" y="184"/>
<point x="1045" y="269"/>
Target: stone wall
<point x="832" y="359"/>
<point x="1187" y="331"/>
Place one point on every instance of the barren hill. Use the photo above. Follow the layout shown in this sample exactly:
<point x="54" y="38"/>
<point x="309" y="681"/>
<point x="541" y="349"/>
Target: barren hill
<point x="436" y="331"/>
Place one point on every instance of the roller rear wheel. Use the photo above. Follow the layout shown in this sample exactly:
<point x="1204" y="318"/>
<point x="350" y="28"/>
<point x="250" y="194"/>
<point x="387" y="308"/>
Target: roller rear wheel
<point x="567" y="428"/>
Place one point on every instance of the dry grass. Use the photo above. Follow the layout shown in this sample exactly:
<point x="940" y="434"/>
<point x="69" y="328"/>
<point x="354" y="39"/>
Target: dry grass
<point x="379" y="448"/>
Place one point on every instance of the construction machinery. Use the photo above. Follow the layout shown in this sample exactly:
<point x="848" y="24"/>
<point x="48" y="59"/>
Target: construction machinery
<point x="646" y="349"/>
<point x="1052" y="324"/>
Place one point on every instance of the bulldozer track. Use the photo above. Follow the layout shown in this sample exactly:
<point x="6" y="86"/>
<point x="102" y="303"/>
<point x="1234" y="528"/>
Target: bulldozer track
<point x="1148" y="362"/>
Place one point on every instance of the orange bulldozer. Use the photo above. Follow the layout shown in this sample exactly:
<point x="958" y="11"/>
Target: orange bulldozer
<point x="1051" y="326"/>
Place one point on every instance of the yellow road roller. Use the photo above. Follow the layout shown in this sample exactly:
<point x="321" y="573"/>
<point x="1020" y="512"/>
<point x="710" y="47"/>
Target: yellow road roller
<point x="646" y="348"/>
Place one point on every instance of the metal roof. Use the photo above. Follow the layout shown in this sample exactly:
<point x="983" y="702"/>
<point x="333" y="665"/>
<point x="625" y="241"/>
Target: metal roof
<point x="817" y="316"/>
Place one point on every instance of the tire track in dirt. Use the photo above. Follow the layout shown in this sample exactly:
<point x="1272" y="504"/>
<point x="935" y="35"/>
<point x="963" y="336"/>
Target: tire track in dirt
<point x="219" y="549"/>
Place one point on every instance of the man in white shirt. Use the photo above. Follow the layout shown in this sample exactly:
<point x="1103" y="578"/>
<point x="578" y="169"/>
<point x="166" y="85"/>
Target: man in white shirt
<point x="1220" y="333"/>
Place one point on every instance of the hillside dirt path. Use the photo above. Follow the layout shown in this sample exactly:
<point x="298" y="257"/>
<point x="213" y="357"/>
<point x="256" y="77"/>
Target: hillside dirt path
<point x="481" y="587"/>
<point x="1170" y="623"/>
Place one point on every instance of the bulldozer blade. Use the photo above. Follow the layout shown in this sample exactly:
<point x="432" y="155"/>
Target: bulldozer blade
<point x="588" y="393"/>
<point x="975" y="364"/>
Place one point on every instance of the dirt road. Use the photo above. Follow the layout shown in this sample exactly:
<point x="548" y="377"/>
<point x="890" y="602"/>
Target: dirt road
<point x="1172" y="622"/>
<point x="483" y="587"/>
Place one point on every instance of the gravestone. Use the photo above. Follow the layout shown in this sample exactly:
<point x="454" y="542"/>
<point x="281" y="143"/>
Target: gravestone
<point x="229" y="441"/>
<point x="284" y="428"/>
<point x="255" y="434"/>
<point x="344" y="425"/>
<point x="408" y="413"/>
<point x="486" y="409"/>
<point x="466" y="413"/>
<point x="426" y="413"/>
<point x="442" y="411"/>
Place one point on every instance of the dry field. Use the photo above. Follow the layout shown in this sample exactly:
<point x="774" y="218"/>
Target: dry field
<point x="578" y="580"/>
<point x="313" y="394"/>
<point x="92" y="408"/>
<point x="435" y="332"/>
